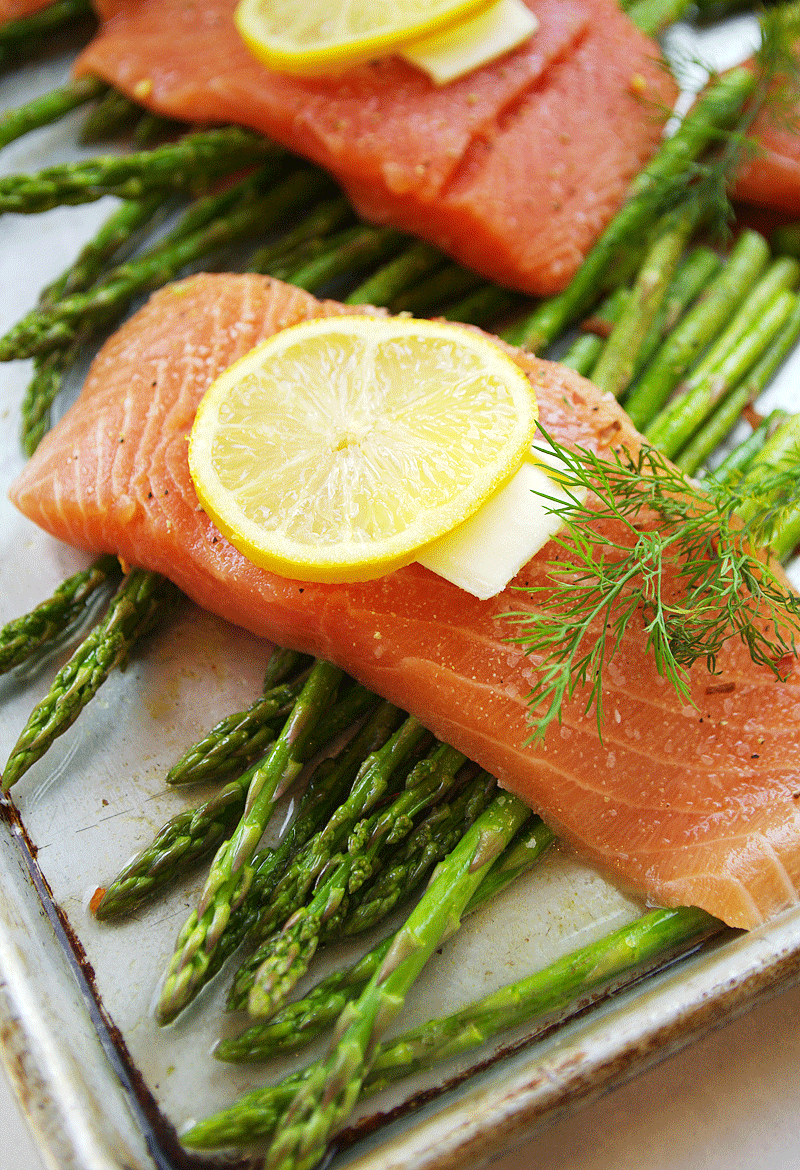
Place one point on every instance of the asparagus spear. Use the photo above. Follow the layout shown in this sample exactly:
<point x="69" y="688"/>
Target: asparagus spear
<point x="319" y="223"/>
<point x="615" y="368"/>
<point x="653" y="16"/>
<point x="113" y="115"/>
<point x="49" y="371"/>
<point x="326" y="790"/>
<point x="373" y="781"/>
<point x="74" y="317"/>
<point x="298" y="1023"/>
<point x="738" y="461"/>
<point x="717" y="109"/>
<point x="483" y="306"/>
<point x="393" y="278"/>
<point x="191" y="164"/>
<point x="334" y="1084"/>
<point x="700" y="325"/>
<point x="49" y="107"/>
<point x="231" y="872"/>
<point x="432" y="840"/>
<point x="112" y="236"/>
<point x="584" y="352"/>
<point x="282" y="960"/>
<point x="43" y="389"/>
<point x="694" y="276"/>
<point x="139" y="601"/>
<point x="192" y="834"/>
<point x="781" y="449"/>
<point x="675" y="425"/>
<point x="255" y="1116"/>
<point x="370" y="784"/>
<point x="724" y="418"/>
<point x="441" y="288"/>
<point x="237" y="740"/>
<point x="350" y="249"/>
<point x="17" y="37"/>
<point x="24" y="636"/>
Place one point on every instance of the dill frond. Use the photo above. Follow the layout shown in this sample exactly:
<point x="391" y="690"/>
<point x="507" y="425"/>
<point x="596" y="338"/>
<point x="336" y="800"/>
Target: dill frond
<point x="641" y="547"/>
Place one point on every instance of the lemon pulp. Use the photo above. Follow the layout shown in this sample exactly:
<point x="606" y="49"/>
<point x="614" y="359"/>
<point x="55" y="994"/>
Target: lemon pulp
<point x="340" y="447"/>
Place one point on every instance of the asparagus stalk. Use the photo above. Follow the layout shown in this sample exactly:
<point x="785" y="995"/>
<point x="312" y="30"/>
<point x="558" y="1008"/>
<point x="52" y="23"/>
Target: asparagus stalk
<point x="430" y="842"/>
<point x="50" y="370"/>
<point x="74" y="317"/>
<point x="114" y="235"/>
<point x="17" y="37"/>
<point x="49" y="107"/>
<point x="113" y="115"/>
<point x="43" y="389"/>
<point x="483" y="306"/>
<point x="653" y="16"/>
<point x="716" y="110"/>
<point x="298" y="1023"/>
<point x="350" y="249"/>
<point x="615" y="368"/>
<point x="319" y="223"/>
<point x="325" y="791"/>
<point x="585" y="350"/>
<point x="334" y="1084"/>
<point x="695" y="274"/>
<point x="140" y="599"/>
<point x="371" y="783"/>
<point x="698" y="328"/>
<point x="724" y="418"/>
<point x="194" y="163"/>
<point x="675" y="425"/>
<point x="623" y="953"/>
<point x="281" y="961"/>
<point x="193" y="833"/>
<point x="441" y="288"/>
<point x="393" y="278"/>
<point x="738" y="461"/>
<point x="781" y="449"/>
<point x="236" y="741"/>
<point x="184" y="840"/>
<point x="21" y="638"/>
<point x="231" y="872"/>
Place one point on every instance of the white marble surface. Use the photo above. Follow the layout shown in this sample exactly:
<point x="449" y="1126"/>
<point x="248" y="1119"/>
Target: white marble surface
<point x="729" y="1102"/>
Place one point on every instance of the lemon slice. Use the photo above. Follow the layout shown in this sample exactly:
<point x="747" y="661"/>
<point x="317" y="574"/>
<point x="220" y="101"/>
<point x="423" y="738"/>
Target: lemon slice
<point x="318" y="36"/>
<point x="339" y="448"/>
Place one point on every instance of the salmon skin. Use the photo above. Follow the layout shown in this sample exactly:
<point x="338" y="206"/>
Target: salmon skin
<point x="686" y="805"/>
<point x="502" y="169"/>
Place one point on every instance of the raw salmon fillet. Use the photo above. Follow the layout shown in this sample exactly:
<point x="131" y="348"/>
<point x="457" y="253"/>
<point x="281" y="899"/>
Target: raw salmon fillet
<point x="771" y="178"/>
<point x="505" y="169"/>
<point x="685" y="805"/>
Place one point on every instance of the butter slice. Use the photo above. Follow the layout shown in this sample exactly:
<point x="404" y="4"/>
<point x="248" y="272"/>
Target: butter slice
<point x="487" y="551"/>
<point x="472" y="43"/>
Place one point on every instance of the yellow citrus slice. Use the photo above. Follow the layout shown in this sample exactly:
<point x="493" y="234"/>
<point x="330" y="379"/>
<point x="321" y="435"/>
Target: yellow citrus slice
<point x="318" y="36"/>
<point x="339" y="448"/>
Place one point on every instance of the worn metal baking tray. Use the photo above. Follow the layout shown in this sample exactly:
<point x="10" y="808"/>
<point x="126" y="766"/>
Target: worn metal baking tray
<point x="102" y="1084"/>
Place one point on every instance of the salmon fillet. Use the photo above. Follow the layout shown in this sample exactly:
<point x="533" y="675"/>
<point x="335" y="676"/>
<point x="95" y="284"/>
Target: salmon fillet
<point x="423" y="158"/>
<point x="688" y="806"/>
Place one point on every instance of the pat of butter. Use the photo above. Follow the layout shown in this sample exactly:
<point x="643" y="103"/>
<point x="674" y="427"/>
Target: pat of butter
<point x="472" y="43"/>
<point x="487" y="551"/>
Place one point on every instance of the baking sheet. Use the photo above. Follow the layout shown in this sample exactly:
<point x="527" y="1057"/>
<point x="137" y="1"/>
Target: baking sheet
<point x="109" y="1087"/>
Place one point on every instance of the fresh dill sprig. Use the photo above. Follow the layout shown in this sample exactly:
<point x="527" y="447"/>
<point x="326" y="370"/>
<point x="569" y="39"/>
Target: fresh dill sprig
<point x="642" y="548"/>
<point x="776" y="72"/>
